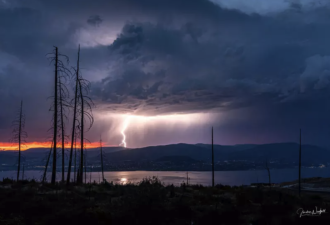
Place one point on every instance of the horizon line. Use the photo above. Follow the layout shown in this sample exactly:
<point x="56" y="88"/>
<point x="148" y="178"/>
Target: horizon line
<point x="7" y="146"/>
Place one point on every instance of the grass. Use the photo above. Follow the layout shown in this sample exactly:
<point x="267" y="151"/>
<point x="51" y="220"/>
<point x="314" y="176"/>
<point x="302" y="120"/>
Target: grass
<point x="151" y="202"/>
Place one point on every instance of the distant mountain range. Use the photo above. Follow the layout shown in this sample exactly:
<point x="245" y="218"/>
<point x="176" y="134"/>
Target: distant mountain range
<point x="285" y="152"/>
<point x="40" y="154"/>
<point x="282" y="153"/>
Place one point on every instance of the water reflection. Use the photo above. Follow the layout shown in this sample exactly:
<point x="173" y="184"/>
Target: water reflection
<point x="177" y="177"/>
<point x="123" y="180"/>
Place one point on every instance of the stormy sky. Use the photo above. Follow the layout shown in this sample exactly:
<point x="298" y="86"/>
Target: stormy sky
<point x="168" y="70"/>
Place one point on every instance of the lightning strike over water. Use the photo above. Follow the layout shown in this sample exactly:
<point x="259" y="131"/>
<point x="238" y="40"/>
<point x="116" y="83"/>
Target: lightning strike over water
<point x="126" y="122"/>
<point x="142" y="122"/>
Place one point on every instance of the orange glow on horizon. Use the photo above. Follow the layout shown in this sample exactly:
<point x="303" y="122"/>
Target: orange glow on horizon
<point x="7" y="146"/>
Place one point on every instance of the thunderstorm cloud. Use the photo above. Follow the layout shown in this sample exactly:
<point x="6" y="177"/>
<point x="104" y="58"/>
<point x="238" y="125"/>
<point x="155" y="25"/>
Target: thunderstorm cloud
<point x="264" y="66"/>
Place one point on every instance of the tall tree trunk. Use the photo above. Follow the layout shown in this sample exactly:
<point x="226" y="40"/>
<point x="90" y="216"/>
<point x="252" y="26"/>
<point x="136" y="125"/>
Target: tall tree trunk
<point x="45" y="171"/>
<point x="85" y="163"/>
<point x="300" y="163"/>
<point x="75" y="160"/>
<point x="62" y="128"/>
<point x="55" y="118"/>
<point x="212" y="161"/>
<point x="102" y="161"/>
<point x="19" y="139"/>
<point x="74" y="119"/>
<point x="81" y="136"/>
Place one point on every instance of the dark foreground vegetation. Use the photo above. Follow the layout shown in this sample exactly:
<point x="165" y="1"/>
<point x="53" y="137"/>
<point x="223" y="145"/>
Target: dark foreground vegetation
<point x="151" y="202"/>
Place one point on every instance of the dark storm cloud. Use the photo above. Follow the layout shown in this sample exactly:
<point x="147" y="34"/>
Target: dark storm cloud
<point x="94" y="20"/>
<point x="158" y="57"/>
<point x="29" y="33"/>
<point x="17" y="84"/>
<point x="213" y="67"/>
<point x="202" y="8"/>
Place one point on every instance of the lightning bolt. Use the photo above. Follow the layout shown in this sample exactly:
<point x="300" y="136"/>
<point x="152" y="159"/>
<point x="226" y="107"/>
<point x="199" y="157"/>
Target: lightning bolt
<point x="186" y="119"/>
<point x="123" y="142"/>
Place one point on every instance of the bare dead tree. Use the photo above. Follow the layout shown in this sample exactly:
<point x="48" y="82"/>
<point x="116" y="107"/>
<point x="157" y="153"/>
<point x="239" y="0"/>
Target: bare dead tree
<point x="102" y="168"/>
<point x="74" y="119"/>
<point x="64" y="105"/>
<point x="19" y="135"/>
<point x="80" y="175"/>
<point x="55" y="117"/>
<point x="47" y="162"/>
<point x="62" y="126"/>
<point x="75" y="159"/>
<point x="61" y="69"/>
<point x="84" y="174"/>
<point x="85" y="111"/>
<point x="85" y="165"/>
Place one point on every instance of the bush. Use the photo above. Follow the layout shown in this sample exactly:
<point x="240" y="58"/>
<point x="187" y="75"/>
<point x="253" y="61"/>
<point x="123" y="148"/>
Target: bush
<point x="197" y="187"/>
<point x="7" y="181"/>
<point x="150" y="202"/>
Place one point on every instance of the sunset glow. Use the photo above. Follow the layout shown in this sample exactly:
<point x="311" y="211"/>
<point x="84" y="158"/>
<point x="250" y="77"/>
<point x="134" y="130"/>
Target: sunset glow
<point x="14" y="146"/>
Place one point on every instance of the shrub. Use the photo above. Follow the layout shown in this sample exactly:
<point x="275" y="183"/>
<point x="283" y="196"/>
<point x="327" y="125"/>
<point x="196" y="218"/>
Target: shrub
<point x="7" y="181"/>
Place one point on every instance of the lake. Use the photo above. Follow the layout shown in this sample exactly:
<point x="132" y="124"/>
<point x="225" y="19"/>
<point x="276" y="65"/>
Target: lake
<point x="196" y="177"/>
